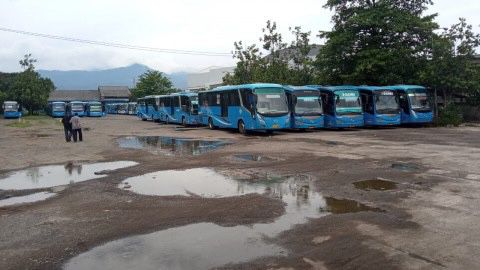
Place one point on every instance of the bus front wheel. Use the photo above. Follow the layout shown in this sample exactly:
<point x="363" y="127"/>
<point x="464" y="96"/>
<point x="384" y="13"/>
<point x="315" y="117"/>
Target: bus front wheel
<point x="210" y="124"/>
<point x="241" y="128"/>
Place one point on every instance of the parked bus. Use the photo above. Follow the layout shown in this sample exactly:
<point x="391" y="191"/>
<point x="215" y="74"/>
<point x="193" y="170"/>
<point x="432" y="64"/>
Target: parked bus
<point x="94" y="109"/>
<point x="306" y="107"/>
<point x="342" y="106"/>
<point x="11" y="109"/>
<point x="111" y="108"/>
<point x="415" y="104"/>
<point x="56" y="109"/>
<point x="179" y="108"/>
<point x="150" y="109"/>
<point x="248" y="107"/>
<point x="380" y="106"/>
<point x="78" y="107"/>
<point x="122" y="108"/>
<point x="142" y="109"/>
<point x="132" y="108"/>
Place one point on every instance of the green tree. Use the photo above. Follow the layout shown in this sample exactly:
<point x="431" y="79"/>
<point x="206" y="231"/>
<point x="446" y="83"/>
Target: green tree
<point x="29" y="88"/>
<point x="451" y="68"/>
<point x="252" y="66"/>
<point x="375" y="42"/>
<point x="152" y="82"/>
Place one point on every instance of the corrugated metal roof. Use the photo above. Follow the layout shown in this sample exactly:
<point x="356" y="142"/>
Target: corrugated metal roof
<point x="107" y="91"/>
<point x="70" y="95"/>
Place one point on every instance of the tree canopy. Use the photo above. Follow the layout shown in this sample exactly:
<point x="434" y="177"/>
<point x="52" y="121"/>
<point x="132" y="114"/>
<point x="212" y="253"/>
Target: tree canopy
<point x="27" y="87"/>
<point x="152" y="82"/>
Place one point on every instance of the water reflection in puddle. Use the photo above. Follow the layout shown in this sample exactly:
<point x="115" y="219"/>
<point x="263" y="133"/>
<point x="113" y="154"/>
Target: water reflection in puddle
<point x="170" y="145"/>
<point x="57" y="175"/>
<point x="406" y="167"/>
<point x="251" y="157"/>
<point x="375" y="184"/>
<point x="207" y="245"/>
<point x="35" y="197"/>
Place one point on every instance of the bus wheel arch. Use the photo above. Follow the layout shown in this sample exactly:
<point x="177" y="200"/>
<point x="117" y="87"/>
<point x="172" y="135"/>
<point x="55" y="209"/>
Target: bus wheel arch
<point x="210" y="123"/>
<point x="241" y="127"/>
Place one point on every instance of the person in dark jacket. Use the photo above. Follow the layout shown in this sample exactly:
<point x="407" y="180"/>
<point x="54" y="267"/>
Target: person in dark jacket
<point x="67" y="126"/>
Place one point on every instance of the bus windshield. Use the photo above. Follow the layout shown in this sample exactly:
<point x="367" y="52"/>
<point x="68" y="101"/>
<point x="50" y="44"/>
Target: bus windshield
<point x="348" y="102"/>
<point x="387" y="103"/>
<point x="95" y="108"/>
<point x="77" y="107"/>
<point x="271" y="101"/>
<point x="308" y="105"/>
<point x="419" y="100"/>
<point x="58" y="107"/>
<point x="10" y="107"/>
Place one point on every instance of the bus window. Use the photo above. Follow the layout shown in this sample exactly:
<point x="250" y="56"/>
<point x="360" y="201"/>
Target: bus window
<point x="347" y="102"/>
<point x="419" y="101"/>
<point x="271" y="101"/>
<point x="386" y="102"/>
<point x="248" y="100"/>
<point x="308" y="105"/>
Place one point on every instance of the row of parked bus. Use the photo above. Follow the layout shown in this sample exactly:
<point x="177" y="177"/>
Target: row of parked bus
<point x="81" y="108"/>
<point x="90" y="109"/>
<point x="270" y="107"/>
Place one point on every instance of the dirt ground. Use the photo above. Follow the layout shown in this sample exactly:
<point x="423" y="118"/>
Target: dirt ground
<point x="430" y="221"/>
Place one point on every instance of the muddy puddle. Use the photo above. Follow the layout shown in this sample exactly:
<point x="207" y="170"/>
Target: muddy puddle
<point x="31" y="198"/>
<point x="405" y="167"/>
<point x="375" y="184"/>
<point x="58" y="175"/>
<point x="207" y="245"/>
<point x="170" y="145"/>
<point x="251" y="157"/>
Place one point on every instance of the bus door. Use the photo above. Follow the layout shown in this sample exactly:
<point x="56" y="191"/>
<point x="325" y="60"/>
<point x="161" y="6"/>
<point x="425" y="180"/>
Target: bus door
<point x="403" y="99"/>
<point x="224" y="104"/>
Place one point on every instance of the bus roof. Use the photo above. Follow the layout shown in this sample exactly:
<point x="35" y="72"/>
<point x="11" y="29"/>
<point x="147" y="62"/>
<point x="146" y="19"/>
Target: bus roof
<point x="12" y="102"/>
<point x="188" y="94"/>
<point x="243" y="86"/>
<point x="335" y="88"/>
<point x="374" y="88"/>
<point x="299" y="88"/>
<point x="405" y="87"/>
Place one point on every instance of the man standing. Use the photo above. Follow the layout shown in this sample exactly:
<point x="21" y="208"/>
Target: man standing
<point x="67" y="126"/>
<point x="77" y="128"/>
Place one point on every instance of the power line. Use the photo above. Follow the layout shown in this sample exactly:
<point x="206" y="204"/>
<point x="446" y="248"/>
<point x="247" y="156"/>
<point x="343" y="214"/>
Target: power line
<point x="115" y="45"/>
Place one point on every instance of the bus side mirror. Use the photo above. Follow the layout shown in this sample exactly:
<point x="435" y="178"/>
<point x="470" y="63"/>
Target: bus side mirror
<point x="337" y="100"/>
<point x="294" y="99"/>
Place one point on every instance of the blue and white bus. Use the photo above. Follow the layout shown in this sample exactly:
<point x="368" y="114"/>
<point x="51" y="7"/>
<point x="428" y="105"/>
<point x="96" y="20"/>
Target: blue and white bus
<point x="11" y="109"/>
<point x="306" y="107"/>
<point x="132" y="108"/>
<point x="342" y="106"/>
<point x="247" y="107"/>
<point x="415" y="104"/>
<point x="122" y="108"/>
<point x="94" y="109"/>
<point x="56" y="109"/>
<point x="179" y="108"/>
<point x="77" y="107"/>
<point x="142" y="109"/>
<point x="380" y="106"/>
<point x="149" y="108"/>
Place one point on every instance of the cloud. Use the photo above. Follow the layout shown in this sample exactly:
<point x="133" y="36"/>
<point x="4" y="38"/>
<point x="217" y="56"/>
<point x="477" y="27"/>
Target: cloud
<point x="211" y="25"/>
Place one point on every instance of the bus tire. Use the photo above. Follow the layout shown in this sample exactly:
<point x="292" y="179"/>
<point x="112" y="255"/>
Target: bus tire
<point x="241" y="128"/>
<point x="210" y="124"/>
<point x="184" y="122"/>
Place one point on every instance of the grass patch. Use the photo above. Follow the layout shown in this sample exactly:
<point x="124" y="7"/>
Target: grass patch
<point x="21" y="123"/>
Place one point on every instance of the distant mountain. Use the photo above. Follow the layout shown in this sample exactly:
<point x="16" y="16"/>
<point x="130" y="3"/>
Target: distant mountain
<point x="91" y="79"/>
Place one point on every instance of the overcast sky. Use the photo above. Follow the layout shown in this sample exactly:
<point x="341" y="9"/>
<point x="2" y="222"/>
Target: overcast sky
<point x="208" y="25"/>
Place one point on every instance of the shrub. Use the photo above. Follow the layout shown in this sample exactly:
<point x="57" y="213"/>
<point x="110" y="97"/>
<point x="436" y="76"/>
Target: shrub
<point x="451" y="115"/>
